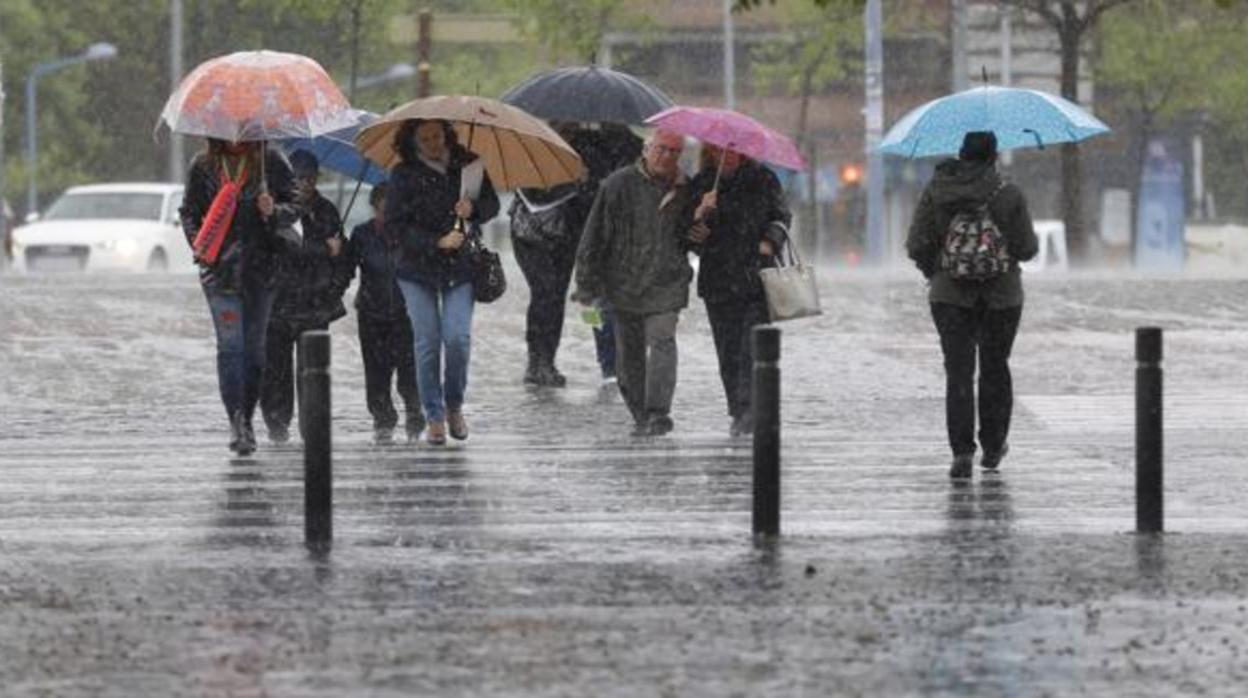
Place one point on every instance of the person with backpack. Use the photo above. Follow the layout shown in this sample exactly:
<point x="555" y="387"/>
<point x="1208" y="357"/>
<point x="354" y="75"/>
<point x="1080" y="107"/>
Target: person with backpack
<point x="970" y="231"/>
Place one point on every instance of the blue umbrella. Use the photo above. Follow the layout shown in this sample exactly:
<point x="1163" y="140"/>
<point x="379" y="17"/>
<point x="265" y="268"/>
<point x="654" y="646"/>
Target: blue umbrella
<point x="336" y="151"/>
<point x="1020" y="118"/>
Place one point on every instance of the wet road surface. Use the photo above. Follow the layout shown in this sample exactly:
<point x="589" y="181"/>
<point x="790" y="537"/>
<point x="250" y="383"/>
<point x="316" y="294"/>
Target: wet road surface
<point x="554" y="555"/>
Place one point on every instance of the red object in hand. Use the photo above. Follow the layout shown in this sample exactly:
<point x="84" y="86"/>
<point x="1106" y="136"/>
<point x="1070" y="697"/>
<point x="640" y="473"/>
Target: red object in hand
<point x="216" y="224"/>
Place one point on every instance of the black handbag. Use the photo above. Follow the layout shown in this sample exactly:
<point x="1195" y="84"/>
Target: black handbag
<point x="488" y="280"/>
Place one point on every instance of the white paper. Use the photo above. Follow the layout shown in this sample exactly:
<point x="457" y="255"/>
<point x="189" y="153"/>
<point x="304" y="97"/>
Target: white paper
<point x="470" y="180"/>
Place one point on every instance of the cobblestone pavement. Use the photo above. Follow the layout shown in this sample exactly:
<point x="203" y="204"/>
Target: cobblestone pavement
<point x="552" y="555"/>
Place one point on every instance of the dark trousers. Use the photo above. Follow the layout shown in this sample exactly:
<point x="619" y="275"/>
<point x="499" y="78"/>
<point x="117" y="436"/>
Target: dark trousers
<point x="731" y="325"/>
<point x="277" y="391"/>
<point x="387" y="348"/>
<point x="240" y="320"/>
<point x="548" y="271"/>
<point x="646" y="362"/>
<point x="990" y="333"/>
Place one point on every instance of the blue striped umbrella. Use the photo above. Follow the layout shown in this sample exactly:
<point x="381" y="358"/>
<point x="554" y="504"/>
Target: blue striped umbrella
<point x="1020" y="118"/>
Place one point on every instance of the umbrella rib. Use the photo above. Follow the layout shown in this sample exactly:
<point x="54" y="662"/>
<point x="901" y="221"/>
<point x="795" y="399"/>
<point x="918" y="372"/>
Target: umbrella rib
<point x="502" y="158"/>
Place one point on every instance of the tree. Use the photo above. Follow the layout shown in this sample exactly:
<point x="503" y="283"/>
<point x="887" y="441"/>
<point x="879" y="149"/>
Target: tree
<point x="571" y="29"/>
<point x="1150" y="56"/>
<point x="1071" y="20"/>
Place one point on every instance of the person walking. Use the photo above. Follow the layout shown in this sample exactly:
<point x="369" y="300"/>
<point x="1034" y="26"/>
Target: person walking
<point x="970" y="231"/>
<point x="739" y="225"/>
<point x="386" y="343"/>
<point x="433" y="219"/>
<point x="238" y="282"/>
<point x="633" y="254"/>
<point x="307" y="295"/>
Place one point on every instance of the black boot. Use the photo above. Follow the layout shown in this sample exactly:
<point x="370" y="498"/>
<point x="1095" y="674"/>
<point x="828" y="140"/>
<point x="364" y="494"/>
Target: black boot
<point x="552" y="377"/>
<point x="246" y="435"/>
<point x="533" y="374"/>
<point x="236" y="431"/>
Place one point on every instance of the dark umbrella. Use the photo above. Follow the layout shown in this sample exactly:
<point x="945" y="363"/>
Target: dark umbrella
<point x="588" y="94"/>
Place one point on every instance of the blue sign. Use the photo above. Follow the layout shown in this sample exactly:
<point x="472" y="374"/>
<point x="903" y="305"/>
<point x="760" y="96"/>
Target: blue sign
<point x="1161" y="213"/>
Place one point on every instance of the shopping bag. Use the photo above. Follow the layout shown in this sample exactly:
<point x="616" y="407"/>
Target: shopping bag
<point x="790" y="287"/>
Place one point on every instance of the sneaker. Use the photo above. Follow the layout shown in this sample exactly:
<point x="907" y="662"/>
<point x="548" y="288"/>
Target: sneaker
<point x="991" y="460"/>
<point x="279" y="435"/>
<point x="383" y="435"/>
<point x="962" y="465"/>
<point x="742" y="425"/>
<point x="458" y="427"/>
<point x="554" y="378"/>
<point x="435" y="434"/>
<point x="414" y="424"/>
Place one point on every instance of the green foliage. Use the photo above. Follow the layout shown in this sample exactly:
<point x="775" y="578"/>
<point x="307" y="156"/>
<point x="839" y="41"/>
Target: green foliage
<point x="571" y="31"/>
<point x="826" y="47"/>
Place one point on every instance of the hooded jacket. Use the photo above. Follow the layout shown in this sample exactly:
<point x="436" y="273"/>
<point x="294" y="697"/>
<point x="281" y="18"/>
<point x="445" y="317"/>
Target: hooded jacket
<point x="751" y="209"/>
<point x="960" y="185"/>
<point x="633" y="251"/>
<point x="420" y="209"/>
<point x="252" y="248"/>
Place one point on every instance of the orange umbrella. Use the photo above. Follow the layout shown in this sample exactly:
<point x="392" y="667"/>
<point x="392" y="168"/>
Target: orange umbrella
<point x="257" y="96"/>
<point x="519" y="149"/>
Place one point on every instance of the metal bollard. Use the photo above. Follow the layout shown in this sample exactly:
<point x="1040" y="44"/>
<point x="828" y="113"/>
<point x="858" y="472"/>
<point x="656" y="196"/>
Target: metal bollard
<point x="765" y="400"/>
<point x="314" y="424"/>
<point x="1148" y="431"/>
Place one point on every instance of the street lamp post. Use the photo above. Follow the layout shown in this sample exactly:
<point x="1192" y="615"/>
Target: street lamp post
<point x="94" y="52"/>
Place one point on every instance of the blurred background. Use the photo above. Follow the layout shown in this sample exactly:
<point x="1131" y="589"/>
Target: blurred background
<point x="1166" y="76"/>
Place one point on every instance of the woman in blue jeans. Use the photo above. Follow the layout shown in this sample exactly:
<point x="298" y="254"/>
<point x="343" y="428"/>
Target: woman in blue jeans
<point x="238" y="284"/>
<point x="425" y="212"/>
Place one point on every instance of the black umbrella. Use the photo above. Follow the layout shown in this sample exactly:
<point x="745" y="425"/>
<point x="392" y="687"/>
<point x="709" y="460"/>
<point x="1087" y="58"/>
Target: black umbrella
<point x="588" y="94"/>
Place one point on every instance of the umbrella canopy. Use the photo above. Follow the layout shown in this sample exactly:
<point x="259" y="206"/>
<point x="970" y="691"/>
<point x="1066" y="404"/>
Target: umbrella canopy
<point x="336" y="150"/>
<point x="519" y="150"/>
<point x="1020" y="118"/>
<point x="588" y="94"/>
<point x="733" y="131"/>
<point x="257" y="96"/>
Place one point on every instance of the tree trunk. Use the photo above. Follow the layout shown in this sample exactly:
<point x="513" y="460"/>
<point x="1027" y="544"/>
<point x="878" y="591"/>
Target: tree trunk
<point x="1072" y="171"/>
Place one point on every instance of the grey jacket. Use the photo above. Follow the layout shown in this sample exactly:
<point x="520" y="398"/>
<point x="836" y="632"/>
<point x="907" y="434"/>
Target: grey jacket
<point x="633" y="250"/>
<point x="958" y="186"/>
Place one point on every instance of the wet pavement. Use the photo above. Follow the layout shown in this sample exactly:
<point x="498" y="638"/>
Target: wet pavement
<point x="553" y="555"/>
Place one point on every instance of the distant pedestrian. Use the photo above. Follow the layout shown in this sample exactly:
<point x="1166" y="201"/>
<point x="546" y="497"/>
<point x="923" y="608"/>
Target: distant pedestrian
<point x="969" y="233"/>
<point x="633" y="254"/>
<point x="386" y="342"/>
<point x="308" y="294"/>
<point x="740" y="223"/>
<point x="432" y="219"/>
<point x="238" y="283"/>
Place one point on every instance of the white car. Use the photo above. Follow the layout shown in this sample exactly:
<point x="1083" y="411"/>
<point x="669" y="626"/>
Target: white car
<point x="107" y="227"/>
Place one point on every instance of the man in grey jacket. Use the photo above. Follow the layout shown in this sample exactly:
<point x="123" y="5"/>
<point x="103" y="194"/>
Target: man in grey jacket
<point x="974" y="316"/>
<point x="633" y="253"/>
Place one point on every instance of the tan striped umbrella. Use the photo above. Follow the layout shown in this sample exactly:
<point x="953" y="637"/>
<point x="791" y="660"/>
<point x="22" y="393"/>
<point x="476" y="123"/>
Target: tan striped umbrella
<point x="519" y="149"/>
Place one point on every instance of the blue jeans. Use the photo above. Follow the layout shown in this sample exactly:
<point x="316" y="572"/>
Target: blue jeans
<point x="441" y="321"/>
<point x="604" y="340"/>
<point x="241" y="321"/>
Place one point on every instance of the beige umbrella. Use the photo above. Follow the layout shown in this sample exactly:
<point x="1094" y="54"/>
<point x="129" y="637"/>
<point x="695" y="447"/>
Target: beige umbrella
<point x="519" y="149"/>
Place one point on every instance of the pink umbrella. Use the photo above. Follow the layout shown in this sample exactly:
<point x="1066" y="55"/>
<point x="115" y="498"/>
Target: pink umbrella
<point x="732" y="131"/>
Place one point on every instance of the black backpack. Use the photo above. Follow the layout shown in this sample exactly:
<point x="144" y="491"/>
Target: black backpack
<point x="974" y="248"/>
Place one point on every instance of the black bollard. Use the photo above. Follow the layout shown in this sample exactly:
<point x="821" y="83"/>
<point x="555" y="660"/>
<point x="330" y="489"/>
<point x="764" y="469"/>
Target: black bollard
<point x="765" y="400"/>
<point x="318" y="494"/>
<point x="1148" y="431"/>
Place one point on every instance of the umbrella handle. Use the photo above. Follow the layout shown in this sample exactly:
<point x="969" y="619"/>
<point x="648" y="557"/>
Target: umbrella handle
<point x="719" y="170"/>
<point x="359" y="182"/>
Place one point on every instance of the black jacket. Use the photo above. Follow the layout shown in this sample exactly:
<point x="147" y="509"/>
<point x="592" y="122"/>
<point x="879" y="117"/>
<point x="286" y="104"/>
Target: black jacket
<point x="310" y="282"/>
<point x="960" y="186"/>
<point x="420" y="209"/>
<point x="751" y="208"/>
<point x="377" y="255"/>
<point x="252" y="248"/>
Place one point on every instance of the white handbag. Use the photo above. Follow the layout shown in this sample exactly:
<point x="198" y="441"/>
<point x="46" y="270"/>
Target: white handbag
<point x="790" y="287"/>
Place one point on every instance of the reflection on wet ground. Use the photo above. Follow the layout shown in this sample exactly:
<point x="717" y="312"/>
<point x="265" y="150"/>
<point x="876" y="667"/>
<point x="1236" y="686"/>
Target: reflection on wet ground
<point x="554" y="555"/>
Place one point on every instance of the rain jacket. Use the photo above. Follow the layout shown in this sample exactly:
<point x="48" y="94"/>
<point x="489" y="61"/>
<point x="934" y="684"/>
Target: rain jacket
<point x="254" y="245"/>
<point x="420" y="209"/>
<point x="633" y="251"/>
<point x="957" y="186"/>
<point x="310" y="282"/>
<point x="376" y="254"/>
<point x="751" y="209"/>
